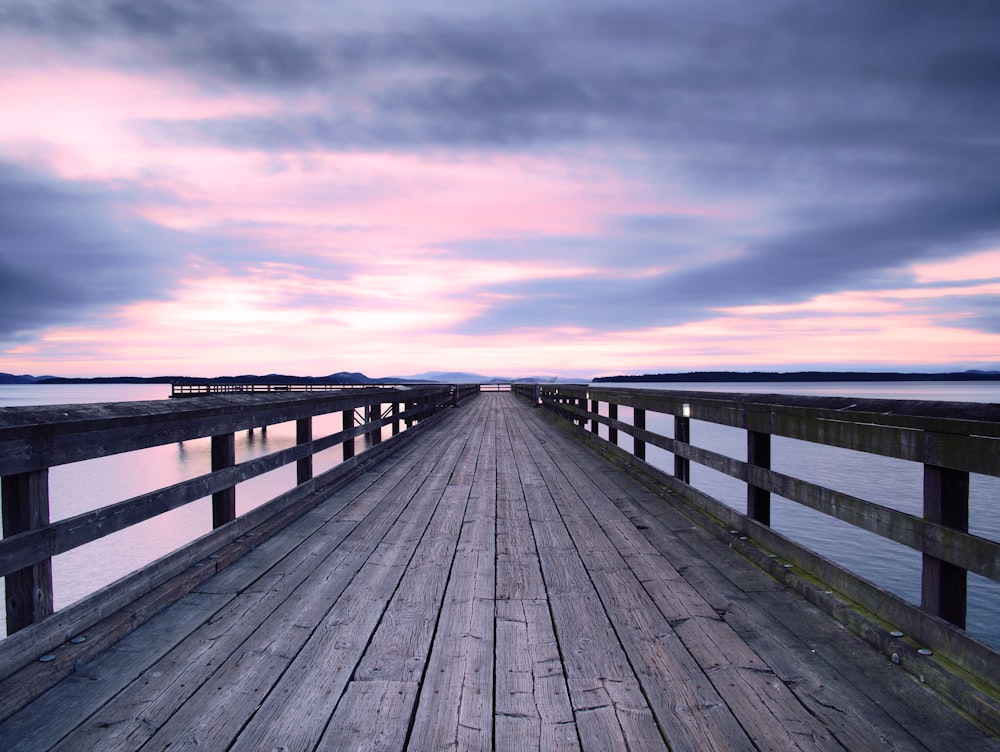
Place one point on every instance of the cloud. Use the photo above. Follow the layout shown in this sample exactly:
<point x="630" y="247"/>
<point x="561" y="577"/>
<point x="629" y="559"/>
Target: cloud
<point x="68" y="251"/>
<point x="211" y="38"/>
<point x="828" y="248"/>
<point x="850" y="140"/>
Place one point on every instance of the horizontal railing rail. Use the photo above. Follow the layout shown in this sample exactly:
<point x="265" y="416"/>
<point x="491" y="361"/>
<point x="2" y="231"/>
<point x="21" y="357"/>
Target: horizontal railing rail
<point x="494" y="387"/>
<point x="35" y="439"/>
<point x="950" y="440"/>
<point x="199" y="388"/>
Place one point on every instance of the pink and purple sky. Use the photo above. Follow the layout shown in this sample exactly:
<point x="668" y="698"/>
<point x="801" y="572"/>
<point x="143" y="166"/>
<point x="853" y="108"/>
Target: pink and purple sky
<point x="509" y="188"/>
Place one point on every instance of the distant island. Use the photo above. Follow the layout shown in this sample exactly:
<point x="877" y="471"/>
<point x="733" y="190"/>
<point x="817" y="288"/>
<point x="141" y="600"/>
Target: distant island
<point x="799" y="376"/>
<point x="451" y="377"/>
<point x="342" y="377"/>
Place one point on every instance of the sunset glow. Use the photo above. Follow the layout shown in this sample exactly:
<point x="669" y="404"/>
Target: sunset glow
<point x="197" y="196"/>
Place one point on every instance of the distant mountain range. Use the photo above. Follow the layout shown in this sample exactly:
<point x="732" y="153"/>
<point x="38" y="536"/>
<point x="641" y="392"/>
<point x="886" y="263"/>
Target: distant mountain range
<point x="343" y="377"/>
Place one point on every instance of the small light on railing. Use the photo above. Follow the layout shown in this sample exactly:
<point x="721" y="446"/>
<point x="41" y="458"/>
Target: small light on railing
<point x="686" y="410"/>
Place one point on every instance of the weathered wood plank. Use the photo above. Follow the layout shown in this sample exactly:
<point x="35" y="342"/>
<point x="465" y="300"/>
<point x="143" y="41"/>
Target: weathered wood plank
<point x="691" y="713"/>
<point x="373" y="715"/>
<point x="610" y="709"/>
<point x="532" y="700"/>
<point x="399" y="648"/>
<point x="319" y="672"/>
<point x="519" y="576"/>
<point x="58" y="712"/>
<point x="455" y="708"/>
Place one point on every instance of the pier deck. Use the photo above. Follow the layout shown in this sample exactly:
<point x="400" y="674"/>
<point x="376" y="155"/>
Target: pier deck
<point x="493" y="585"/>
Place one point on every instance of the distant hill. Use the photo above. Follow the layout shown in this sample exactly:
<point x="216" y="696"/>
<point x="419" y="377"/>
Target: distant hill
<point x="458" y="377"/>
<point x="341" y="377"/>
<point x="9" y="378"/>
<point x="799" y="376"/>
<point x="454" y="377"/>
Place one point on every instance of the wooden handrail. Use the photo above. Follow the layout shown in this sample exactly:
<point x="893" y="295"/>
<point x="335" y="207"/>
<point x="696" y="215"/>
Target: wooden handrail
<point x="950" y="440"/>
<point x="34" y="439"/>
<point x="201" y="388"/>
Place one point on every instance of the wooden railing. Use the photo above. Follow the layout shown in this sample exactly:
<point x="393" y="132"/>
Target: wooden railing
<point x="950" y="441"/>
<point x="494" y="387"/>
<point x="34" y="439"/>
<point x="198" y="389"/>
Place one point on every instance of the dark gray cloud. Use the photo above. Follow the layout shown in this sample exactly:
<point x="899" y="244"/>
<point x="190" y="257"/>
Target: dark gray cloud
<point x="67" y="252"/>
<point x="864" y="134"/>
<point x="829" y="248"/>
<point x="733" y="83"/>
<point x="983" y="314"/>
<point x="211" y="38"/>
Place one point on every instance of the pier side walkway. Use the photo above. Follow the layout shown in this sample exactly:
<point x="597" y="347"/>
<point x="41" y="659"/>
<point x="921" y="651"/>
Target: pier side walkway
<point x="494" y="585"/>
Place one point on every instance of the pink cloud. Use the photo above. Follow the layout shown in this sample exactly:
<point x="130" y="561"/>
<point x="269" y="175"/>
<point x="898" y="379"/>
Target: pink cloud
<point x="976" y="266"/>
<point x="85" y="122"/>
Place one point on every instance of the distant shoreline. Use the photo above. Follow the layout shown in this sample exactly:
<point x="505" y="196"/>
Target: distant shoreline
<point x="685" y="377"/>
<point x="341" y="378"/>
<point x="797" y="376"/>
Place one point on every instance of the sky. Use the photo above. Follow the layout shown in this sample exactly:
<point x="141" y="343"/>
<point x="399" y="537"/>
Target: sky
<point x="510" y="188"/>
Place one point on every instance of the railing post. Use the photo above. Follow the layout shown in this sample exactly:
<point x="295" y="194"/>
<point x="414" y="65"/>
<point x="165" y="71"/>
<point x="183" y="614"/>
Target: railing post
<point x="376" y="435"/>
<point x="348" y="422"/>
<point x="682" y="433"/>
<point x="639" y="421"/>
<point x="594" y="410"/>
<point x="224" y="501"/>
<point x="26" y="507"/>
<point x="613" y="415"/>
<point x="759" y="454"/>
<point x="303" y="435"/>
<point x="395" y="418"/>
<point x="946" y="501"/>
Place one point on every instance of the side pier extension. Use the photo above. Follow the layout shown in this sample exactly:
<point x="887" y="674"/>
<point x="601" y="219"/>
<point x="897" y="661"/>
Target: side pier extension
<point x="492" y="584"/>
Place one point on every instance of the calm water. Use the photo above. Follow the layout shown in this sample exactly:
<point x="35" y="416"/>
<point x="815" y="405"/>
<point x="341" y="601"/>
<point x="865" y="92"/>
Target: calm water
<point x="86" y="485"/>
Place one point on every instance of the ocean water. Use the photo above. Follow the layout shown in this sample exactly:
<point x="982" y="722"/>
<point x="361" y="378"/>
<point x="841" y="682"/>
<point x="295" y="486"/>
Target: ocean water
<point x="87" y="485"/>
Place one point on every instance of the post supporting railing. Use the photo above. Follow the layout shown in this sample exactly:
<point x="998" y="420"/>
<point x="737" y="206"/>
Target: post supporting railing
<point x="943" y="588"/>
<point x="759" y="455"/>
<point x="348" y="422"/>
<point x="224" y="501"/>
<point x="639" y="421"/>
<point x="303" y="435"/>
<point x="682" y="434"/>
<point x="26" y="507"/>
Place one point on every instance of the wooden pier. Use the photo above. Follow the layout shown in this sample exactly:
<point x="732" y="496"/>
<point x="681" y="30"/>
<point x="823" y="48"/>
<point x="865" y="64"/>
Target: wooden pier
<point x="490" y="584"/>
